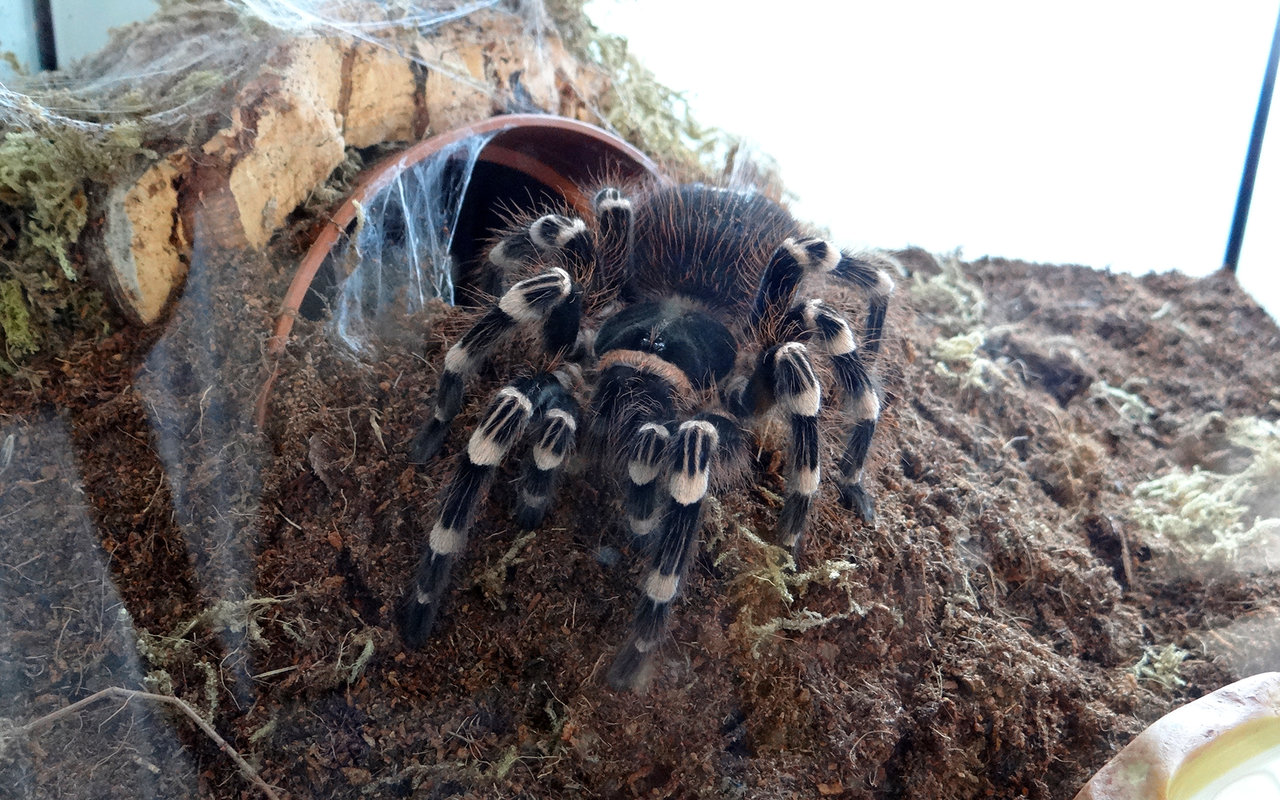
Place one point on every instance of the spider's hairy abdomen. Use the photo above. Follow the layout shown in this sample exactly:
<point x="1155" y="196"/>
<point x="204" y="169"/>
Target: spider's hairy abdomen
<point x="706" y="243"/>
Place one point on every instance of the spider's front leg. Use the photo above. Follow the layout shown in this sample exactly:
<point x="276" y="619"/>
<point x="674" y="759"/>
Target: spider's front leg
<point x="544" y="400"/>
<point x="641" y="496"/>
<point x="785" y="377"/>
<point x="831" y="334"/>
<point x="551" y="299"/>
<point x="774" y="315"/>
<point x="795" y="257"/>
<point x="691" y="456"/>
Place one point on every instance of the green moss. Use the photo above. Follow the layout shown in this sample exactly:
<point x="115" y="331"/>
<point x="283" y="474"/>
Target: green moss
<point x="770" y="588"/>
<point x="956" y="301"/>
<point x="178" y="651"/>
<point x="1127" y="404"/>
<point x="15" y="322"/>
<point x="960" y="359"/>
<point x="46" y="165"/>
<point x="1162" y="666"/>
<point x="351" y="672"/>
<point x="43" y="171"/>
<point x="1216" y="516"/>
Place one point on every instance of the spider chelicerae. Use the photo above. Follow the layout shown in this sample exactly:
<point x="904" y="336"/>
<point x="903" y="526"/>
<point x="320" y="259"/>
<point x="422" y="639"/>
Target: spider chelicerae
<point x="670" y="320"/>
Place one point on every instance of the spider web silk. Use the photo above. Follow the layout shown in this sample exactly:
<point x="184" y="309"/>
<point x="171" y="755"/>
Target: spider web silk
<point x="399" y="256"/>
<point x="149" y="76"/>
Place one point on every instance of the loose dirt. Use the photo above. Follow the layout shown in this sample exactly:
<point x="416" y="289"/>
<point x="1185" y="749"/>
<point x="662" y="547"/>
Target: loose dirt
<point x="1009" y="622"/>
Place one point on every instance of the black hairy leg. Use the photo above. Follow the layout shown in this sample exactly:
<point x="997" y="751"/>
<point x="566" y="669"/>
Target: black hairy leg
<point x="829" y="333"/>
<point x="552" y="442"/>
<point x="784" y="377"/>
<point x="549" y="299"/>
<point x="536" y="399"/>
<point x="794" y="258"/>
<point x="694" y="449"/>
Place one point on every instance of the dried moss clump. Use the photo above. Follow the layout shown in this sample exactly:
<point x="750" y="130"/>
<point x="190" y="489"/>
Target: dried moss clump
<point x="45" y="168"/>
<point x="1224" y="514"/>
<point x="43" y="171"/>
<point x="15" y="322"/>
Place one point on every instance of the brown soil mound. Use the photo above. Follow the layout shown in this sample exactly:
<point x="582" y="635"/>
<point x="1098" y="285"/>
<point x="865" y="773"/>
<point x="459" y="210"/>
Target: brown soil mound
<point x="1008" y="623"/>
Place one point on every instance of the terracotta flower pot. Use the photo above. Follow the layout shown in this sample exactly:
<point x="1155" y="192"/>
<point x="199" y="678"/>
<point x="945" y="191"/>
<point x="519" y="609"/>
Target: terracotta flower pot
<point x="545" y="154"/>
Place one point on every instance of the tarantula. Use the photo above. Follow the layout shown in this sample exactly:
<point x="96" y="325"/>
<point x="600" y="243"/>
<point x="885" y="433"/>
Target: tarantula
<point x="677" y="308"/>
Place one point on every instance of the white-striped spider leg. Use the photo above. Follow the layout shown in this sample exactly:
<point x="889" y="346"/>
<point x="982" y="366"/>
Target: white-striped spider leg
<point x="829" y="332"/>
<point x="513" y="407"/>
<point x="644" y="467"/>
<point x="784" y="377"/>
<point x="615" y="224"/>
<point x="550" y="299"/>
<point x="795" y="257"/>
<point x="692" y="455"/>
<point x="551" y="236"/>
<point x="553" y="440"/>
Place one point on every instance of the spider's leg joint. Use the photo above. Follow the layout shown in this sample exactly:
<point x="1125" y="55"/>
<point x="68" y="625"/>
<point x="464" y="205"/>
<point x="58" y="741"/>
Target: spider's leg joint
<point x="532" y="299"/>
<point x="870" y="271"/>
<point x="698" y="440"/>
<point x="512" y="253"/>
<point x="553" y="439"/>
<point x="660" y="587"/>
<point x="799" y="395"/>
<point x="610" y="199"/>
<point x="550" y="449"/>
<point x="446" y="541"/>
<point x="797" y="386"/>
<point x="644" y="464"/>
<point x="459" y="360"/>
<point x="615" y="222"/>
<point x="555" y="231"/>
<point x="643" y="468"/>
<point x="502" y="425"/>
<point x="813" y="254"/>
<point x="830" y="331"/>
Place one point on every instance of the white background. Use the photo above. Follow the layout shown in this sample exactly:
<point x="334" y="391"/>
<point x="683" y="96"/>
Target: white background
<point x="1111" y="134"/>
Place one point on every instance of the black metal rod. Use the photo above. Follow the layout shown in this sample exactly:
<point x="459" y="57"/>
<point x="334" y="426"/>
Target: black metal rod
<point x="45" y="47"/>
<point x="1251" y="160"/>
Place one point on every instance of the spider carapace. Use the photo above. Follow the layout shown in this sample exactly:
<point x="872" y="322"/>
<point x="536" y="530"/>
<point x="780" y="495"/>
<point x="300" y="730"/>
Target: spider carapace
<point x="669" y="321"/>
